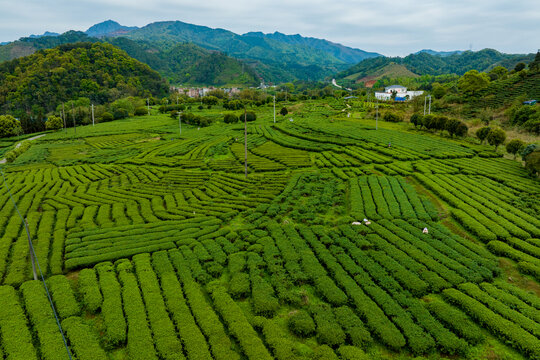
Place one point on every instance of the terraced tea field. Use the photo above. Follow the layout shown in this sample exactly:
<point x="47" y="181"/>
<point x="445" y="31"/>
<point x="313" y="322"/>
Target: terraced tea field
<point x="154" y="245"/>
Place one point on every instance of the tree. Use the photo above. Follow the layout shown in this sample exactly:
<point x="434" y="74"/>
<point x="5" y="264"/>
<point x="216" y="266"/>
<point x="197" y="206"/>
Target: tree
<point x="9" y="126"/>
<point x="496" y="137"/>
<point x="438" y="91"/>
<point x="482" y="133"/>
<point x="498" y="73"/>
<point x="514" y="146"/>
<point x="283" y="111"/>
<point x="473" y="81"/>
<point x="141" y="111"/>
<point x="250" y="116"/>
<point x="428" y="121"/>
<point x="107" y="116"/>
<point x="461" y="129"/>
<point x="451" y="125"/>
<point x="230" y="118"/>
<point x="532" y="162"/>
<point x="392" y="117"/>
<point x="416" y="119"/>
<point x="210" y="100"/>
<point x="519" y="66"/>
<point x="54" y="123"/>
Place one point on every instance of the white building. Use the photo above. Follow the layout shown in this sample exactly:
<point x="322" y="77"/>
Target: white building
<point x="401" y="93"/>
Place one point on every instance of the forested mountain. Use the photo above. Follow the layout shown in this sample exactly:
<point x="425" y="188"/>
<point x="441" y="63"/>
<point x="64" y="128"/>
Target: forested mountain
<point x="181" y="63"/>
<point x="276" y="57"/>
<point x="424" y="63"/>
<point x="190" y="64"/>
<point x="36" y="84"/>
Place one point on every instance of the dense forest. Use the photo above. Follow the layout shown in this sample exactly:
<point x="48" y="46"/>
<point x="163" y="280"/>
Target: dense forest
<point x="32" y="86"/>
<point x="186" y="63"/>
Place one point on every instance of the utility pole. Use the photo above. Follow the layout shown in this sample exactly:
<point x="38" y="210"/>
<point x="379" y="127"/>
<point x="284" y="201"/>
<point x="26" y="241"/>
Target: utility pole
<point x="31" y="248"/>
<point x="64" y="118"/>
<point x="429" y="111"/>
<point x="176" y="100"/>
<point x="245" y="139"/>
<point x="148" y="105"/>
<point x="425" y="100"/>
<point x="274" y="109"/>
<point x="73" y="116"/>
<point x="377" y="116"/>
<point x="93" y="121"/>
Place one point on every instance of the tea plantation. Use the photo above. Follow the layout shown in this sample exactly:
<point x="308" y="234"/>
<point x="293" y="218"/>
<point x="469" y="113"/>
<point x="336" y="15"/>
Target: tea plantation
<point x="155" y="245"/>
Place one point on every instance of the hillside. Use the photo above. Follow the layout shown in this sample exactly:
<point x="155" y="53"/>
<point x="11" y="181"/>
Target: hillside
<point x="98" y="71"/>
<point x="180" y="63"/>
<point x="189" y="64"/>
<point x="391" y="70"/>
<point x="424" y="63"/>
<point x="280" y="57"/>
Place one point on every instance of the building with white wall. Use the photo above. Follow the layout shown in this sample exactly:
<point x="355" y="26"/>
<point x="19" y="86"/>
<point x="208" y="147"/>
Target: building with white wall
<point x="401" y="93"/>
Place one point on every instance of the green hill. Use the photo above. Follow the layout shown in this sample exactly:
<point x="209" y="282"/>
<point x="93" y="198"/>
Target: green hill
<point x="276" y="57"/>
<point x="37" y="83"/>
<point x="424" y="63"/>
<point x="189" y="64"/>
<point x="179" y="63"/>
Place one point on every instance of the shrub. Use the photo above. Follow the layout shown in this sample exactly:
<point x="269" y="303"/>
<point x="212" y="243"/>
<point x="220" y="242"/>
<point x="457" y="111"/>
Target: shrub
<point x="83" y="341"/>
<point x="89" y="289"/>
<point x="63" y="297"/>
<point x="301" y="324"/>
<point x="514" y="146"/>
<point x="16" y="338"/>
<point x="141" y="111"/>
<point x="248" y="116"/>
<point x="107" y="116"/>
<point x="230" y="118"/>
<point x="42" y="319"/>
<point x="496" y="137"/>
<point x="329" y="332"/>
<point x="111" y="309"/>
<point x="119" y="113"/>
<point x="392" y="117"/>
<point x="283" y="111"/>
<point x="54" y="123"/>
<point x="9" y="126"/>
<point x="482" y="133"/>
<point x="416" y="119"/>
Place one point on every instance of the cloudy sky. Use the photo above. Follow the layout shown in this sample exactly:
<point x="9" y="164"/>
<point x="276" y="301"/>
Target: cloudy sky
<point x="390" y="27"/>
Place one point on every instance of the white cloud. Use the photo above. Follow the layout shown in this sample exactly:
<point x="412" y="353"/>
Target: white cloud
<point x="386" y="26"/>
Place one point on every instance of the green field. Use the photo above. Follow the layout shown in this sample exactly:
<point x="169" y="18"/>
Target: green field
<point x="155" y="245"/>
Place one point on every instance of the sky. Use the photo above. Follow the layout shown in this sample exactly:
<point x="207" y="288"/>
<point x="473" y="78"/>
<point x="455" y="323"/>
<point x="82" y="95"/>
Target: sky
<point x="392" y="28"/>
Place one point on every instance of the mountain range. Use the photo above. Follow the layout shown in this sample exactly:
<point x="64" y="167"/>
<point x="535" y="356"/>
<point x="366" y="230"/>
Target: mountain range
<point x="193" y="54"/>
<point x="273" y="57"/>
<point x="428" y="62"/>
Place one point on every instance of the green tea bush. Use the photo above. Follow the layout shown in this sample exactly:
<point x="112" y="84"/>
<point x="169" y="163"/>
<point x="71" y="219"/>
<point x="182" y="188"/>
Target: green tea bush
<point x="301" y="323"/>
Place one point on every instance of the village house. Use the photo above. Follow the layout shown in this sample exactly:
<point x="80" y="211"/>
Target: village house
<point x="402" y="94"/>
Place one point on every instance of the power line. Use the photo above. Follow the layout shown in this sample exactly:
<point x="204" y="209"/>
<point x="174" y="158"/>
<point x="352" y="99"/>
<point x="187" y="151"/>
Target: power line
<point x="34" y="256"/>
